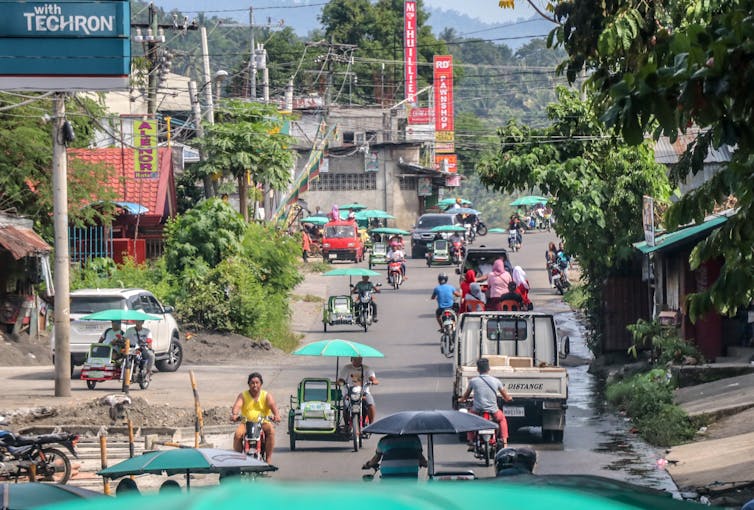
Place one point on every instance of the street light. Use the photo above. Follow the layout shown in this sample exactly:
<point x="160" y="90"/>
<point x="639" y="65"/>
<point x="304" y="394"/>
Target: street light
<point x="220" y="77"/>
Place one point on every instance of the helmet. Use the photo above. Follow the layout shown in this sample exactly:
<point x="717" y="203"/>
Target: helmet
<point x="505" y="458"/>
<point x="442" y="278"/>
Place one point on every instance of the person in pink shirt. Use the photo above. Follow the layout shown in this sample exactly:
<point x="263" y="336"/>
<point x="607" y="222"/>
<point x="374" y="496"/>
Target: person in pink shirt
<point x="497" y="284"/>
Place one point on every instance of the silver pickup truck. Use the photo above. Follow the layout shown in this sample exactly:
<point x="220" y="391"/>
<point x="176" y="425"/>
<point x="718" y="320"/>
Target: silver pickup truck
<point x="523" y="350"/>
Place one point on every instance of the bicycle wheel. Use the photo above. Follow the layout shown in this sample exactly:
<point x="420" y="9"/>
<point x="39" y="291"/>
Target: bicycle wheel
<point x="53" y="466"/>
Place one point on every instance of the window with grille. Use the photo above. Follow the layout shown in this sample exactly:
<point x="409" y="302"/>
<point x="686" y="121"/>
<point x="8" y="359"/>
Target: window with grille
<point x="409" y="183"/>
<point x="344" y="182"/>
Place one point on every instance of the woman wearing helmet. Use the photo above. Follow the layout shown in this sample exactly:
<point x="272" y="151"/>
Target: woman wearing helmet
<point x="445" y="295"/>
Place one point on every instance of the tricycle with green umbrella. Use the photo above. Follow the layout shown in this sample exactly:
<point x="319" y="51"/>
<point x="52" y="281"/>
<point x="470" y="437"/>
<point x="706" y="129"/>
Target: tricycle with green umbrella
<point x="118" y="360"/>
<point x="320" y="411"/>
<point x="378" y="251"/>
<point x="341" y="309"/>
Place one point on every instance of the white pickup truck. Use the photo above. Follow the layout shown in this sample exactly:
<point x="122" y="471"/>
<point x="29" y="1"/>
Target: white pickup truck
<point x="523" y="350"/>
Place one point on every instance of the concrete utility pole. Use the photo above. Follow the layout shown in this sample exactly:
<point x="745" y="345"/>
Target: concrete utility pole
<point x="61" y="265"/>
<point x="252" y="60"/>
<point x="210" y="112"/>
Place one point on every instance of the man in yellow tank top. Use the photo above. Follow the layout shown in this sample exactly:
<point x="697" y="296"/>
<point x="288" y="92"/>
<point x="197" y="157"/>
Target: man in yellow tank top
<point x="251" y="404"/>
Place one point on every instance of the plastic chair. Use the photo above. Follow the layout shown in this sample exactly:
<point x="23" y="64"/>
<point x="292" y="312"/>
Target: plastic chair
<point x="510" y="305"/>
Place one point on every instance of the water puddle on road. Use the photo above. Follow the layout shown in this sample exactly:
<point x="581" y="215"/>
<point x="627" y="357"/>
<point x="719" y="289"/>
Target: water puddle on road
<point x="625" y="452"/>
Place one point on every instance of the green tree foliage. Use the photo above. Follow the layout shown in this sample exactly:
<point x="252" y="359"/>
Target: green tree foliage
<point x="597" y="182"/>
<point x="663" y="67"/>
<point x="26" y="161"/>
<point x="205" y="235"/>
<point x="246" y="139"/>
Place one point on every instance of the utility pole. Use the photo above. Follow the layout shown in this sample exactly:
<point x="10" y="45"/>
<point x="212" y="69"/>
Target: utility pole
<point x="252" y="60"/>
<point x="210" y="113"/>
<point x="62" y="277"/>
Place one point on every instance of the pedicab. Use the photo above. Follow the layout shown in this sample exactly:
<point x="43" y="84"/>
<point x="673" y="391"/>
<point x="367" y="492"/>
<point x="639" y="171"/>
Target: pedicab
<point x="378" y="252"/>
<point x="439" y="251"/>
<point x="111" y="362"/>
<point x="320" y="410"/>
<point x="340" y="309"/>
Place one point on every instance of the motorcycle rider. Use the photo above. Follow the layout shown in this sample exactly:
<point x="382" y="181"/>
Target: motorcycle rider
<point x="115" y="336"/>
<point x="457" y="238"/>
<point x="365" y="286"/>
<point x="445" y="295"/>
<point x="395" y="242"/>
<point x="251" y="404"/>
<point x="396" y="254"/>
<point x="354" y="374"/>
<point x="398" y="456"/>
<point x="140" y="336"/>
<point x="485" y="389"/>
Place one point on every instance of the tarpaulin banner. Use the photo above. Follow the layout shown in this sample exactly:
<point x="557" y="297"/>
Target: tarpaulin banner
<point x="409" y="49"/>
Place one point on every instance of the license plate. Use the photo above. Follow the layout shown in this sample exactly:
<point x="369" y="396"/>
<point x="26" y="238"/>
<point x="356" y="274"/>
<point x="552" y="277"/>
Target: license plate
<point x="514" y="411"/>
<point x="93" y="326"/>
<point x="95" y="374"/>
<point x="332" y="255"/>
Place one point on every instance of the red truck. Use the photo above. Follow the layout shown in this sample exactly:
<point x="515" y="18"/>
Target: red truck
<point x="341" y="241"/>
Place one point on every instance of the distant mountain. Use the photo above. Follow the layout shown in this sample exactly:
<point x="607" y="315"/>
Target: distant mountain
<point x="303" y="16"/>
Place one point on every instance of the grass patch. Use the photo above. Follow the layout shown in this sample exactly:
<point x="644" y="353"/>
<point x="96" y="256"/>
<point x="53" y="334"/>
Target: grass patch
<point x="317" y="267"/>
<point x="577" y="297"/>
<point x="308" y="298"/>
<point x="648" y="399"/>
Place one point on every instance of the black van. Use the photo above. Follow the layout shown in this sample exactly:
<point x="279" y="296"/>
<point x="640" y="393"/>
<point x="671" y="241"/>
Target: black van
<point x="422" y="235"/>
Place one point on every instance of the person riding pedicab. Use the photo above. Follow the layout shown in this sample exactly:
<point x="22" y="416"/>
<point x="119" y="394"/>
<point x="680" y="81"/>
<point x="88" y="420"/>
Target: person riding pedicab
<point x="141" y="337"/>
<point x="115" y="336"/>
<point x="395" y="241"/>
<point x="366" y="286"/>
<point x="354" y="374"/>
<point x="398" y="456"/>
<point x="396" y="254"/>
<point x="252" y="404"/>
<point x="485" y="390"/>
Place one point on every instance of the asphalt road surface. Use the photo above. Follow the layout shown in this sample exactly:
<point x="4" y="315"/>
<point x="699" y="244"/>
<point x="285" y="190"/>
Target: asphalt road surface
<point x="413" y="375"/>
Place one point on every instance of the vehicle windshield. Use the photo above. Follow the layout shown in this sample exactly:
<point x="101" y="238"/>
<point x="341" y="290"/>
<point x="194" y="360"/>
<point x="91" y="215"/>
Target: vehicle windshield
<point x="434" y="221"/>
<point x="340" y="231"/>
<point x="91" y="304"/>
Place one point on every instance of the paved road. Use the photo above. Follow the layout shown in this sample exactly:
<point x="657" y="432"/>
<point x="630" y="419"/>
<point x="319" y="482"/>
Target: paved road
<point x="413" y="375"/>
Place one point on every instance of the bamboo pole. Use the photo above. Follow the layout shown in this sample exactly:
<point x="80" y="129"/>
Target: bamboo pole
<point x="32" y="472"/>
<point x="127" y="370"/>
<point x="103" y="463"/>
<point x="198" y="419"/>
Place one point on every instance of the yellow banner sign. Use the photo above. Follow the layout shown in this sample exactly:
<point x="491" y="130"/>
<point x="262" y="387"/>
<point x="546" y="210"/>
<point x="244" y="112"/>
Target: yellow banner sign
<point x="445" y="136"/>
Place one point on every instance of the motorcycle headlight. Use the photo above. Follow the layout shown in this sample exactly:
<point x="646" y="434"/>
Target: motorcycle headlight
<point x="416" y="235"/>
<point x="351" y="245"/>
<point x="355" y="393"/>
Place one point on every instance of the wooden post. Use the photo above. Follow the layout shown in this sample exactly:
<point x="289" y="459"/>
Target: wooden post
<point x="130" y="438"/>
<point x="127" y="369"/>
<point x="199" y="419"/>
<point x="103" y="463"/>
<point x="32" y="472"/>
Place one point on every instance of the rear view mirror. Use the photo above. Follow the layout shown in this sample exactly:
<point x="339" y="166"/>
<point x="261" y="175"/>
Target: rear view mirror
<point x="458" y="270"/>
<point x="168" y="309"/>
<point x="565" y="347"/>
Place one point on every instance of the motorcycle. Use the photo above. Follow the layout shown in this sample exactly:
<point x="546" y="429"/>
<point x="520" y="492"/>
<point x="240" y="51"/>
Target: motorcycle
<point x="363" y="308"/>
<point x="470" y="232"/>
<point x="104" y="364"/>
<point x="513" y="239"/>
<point x="134" y="370"/>
<point x="558" y="277"/>
<point x="254" y="439"/>
<point x="395" y="274"/>
<point x="485" y="444"/>
<point x="456" y="252"/>
<point x="448" y="336"/>
<point x="19" y="453"/>
<point x="357" y="413"/>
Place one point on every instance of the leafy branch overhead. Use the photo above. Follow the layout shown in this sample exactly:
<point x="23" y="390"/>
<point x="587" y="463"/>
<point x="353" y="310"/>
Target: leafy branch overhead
<point x="666" y="66"/>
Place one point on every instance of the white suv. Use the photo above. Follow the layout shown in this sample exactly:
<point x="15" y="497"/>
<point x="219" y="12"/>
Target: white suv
<point x="165" y="334"/>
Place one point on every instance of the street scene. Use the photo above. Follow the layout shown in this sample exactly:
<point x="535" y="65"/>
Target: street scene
<point x="467" y="253"/>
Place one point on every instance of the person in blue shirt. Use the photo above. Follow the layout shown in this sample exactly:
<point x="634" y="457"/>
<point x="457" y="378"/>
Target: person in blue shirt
<point x="445" y="295"/>
<point x="398" y="456"/>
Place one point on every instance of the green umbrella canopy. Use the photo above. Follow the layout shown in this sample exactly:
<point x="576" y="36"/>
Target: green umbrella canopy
<point x="116" y="314"/>
<point x="19" y="496"/>
<point x="352" y="271"/>
<point x="187" y="460"/>
<point x="367" y="214"/>
<point x="497" y="230"/>
<point x="315" y="220"/>
<point x="448" y="228"/>
<point x="352" y="207"/>
<point x="530" y="200"/>
<point x="338" y="347"/>
<point x="386" y="495"/>
<point x="389" y="231"/>
<point x="450" y="201"/>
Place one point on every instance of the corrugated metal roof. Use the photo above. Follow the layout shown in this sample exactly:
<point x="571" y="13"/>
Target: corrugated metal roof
<point x="22" y="242"/>
<point x="665" y="241"/>
<point x="669" y="153"/>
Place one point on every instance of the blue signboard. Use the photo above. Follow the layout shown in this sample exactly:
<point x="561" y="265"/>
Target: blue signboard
<point x="65" y="45"/>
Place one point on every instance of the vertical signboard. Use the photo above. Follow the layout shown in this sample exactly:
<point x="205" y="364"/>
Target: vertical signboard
<point x="443" y="85"/>
<point x="64" y="45"/>
<point x="146" y="165"/>
<point x="446" y="163"/>
<point x="648" y="219"/>
<point x="409" y="49"/>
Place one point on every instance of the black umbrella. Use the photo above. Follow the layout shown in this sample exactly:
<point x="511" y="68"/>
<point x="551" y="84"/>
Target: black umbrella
<point x="430" y="423"/>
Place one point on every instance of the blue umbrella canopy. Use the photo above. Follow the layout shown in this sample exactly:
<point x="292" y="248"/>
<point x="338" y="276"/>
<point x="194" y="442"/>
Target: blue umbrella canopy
<point x="315" y="220"/>
<point x="352" y="207"/>
<point x="116" y="314"/>
<point x="337" y="347"/>
<point x="20" y="496"/>
<point x="446" y="202"/>
<point x="352" y="271"/>
<point x="448" y="228"/>
<point x="389" y="231"/>
<point x="367" y="214"/>
<point x="530" y="200"/>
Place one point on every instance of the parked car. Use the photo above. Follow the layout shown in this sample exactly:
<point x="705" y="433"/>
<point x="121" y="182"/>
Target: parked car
<point x="166" y="339"/>
<point x="422" y="235"/>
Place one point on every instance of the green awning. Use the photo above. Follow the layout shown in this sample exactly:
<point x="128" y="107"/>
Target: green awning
<point x="666" y="241"/>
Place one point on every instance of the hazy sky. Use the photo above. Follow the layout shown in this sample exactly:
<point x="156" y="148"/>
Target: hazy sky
<point x="487" y="10"/>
